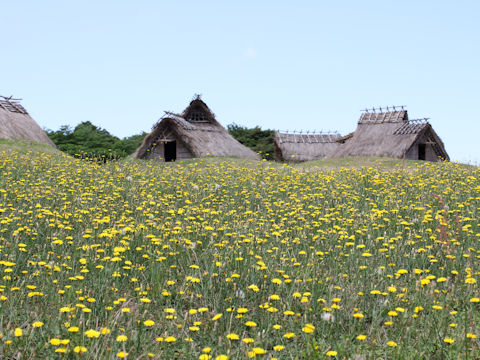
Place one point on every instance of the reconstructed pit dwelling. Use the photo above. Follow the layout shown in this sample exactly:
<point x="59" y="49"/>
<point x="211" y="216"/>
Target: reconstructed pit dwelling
<point x="193" y="133"/>
<point x="17" y="124"/>
<point x="384" y="134"/>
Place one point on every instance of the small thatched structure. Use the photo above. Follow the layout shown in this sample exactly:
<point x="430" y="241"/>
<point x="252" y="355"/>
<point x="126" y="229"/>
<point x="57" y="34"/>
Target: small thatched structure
<point x="16" y="123"/>
<point x="391" y="134"/>
<point x="193" y="133"/>
<point x="304" y="147"/>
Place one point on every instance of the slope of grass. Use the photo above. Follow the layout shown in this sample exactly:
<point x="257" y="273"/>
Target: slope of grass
<point x="24" y="146"/>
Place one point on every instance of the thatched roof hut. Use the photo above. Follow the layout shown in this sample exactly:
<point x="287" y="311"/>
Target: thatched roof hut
<point x="193" y="133"/>
<point x="391" y="134"/>
<point x="298" y="147"/>
<point x="17" y="124"/>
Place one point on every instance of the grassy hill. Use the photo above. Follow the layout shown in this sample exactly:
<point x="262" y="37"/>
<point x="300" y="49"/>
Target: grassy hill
<point x="27" y="146"/>
<point x="225" y="258"/>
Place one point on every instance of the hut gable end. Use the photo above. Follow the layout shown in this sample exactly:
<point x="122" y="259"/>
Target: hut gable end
<point x="198" y="112"/>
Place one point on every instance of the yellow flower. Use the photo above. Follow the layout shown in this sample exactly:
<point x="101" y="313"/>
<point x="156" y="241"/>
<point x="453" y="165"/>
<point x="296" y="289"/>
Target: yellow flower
<point x="221" y="357"/>
<point x="80" y="349"/>
<point x="170" y="339"/>
<point x="122" y="354"/>
<point x="309" y="328"/>
<point x="121" y="338"/>
<point x="216" y="317"/>
<point x="92" y="333"/>
<point x="289" y="335"/>
<point x="73" y="329"/>
<point x="251" y="324"/>
<point x="37" y="324"/>
<point x="448" y="340"/>
<point x="55" y="341"/>
<point x="18" y="332"/>
<point x="391" y="343"/>
<point x="278" y="347"/>
<point x="474" y="300"/>
<point x="361" y="337"/>
<point x="232" y="336"/>
<point x="331" y="353"/>
<point x="149" y="322"/>
<point x="259" y="351"/>
<point x="358" y="315"/>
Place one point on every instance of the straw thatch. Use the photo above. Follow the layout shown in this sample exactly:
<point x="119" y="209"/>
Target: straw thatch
<point x="391" y="134"/>
<point x="298" y="147"/>
<point x="16" y="123"/>
<point x="193" y="133"/>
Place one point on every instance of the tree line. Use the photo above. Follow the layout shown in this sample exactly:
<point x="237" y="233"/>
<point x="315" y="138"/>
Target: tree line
<point x="88" y="141"/>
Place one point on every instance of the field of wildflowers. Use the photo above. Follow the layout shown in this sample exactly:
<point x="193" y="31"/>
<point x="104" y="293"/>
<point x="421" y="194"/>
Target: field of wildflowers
<point x="230" y="260"/>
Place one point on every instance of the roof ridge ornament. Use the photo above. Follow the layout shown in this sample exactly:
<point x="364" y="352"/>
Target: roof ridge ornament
<point x="381" y="109"/>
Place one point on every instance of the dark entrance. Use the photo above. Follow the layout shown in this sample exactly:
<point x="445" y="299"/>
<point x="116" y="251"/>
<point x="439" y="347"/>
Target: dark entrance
<point x="421" y="151"/>
<point x="170" y="151"/>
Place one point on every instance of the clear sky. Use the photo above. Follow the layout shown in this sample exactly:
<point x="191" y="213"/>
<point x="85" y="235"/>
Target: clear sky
<point x="303" y="65"/>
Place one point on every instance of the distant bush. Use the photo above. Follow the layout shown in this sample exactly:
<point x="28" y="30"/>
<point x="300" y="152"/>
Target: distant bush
<point x="92" y="142"/>
<point x="260" y="141"/>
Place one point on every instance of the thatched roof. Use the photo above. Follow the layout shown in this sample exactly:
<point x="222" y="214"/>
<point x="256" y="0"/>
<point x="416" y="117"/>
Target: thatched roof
<point x="304" y="147"/>
<point x="16" y="123"/>
<point x="389" y="134"/>
<point x="199" y="131"/>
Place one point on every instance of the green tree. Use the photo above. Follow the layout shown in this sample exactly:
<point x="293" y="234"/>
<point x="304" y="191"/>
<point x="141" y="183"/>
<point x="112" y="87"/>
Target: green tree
<point x="260" y="141"/>
<point x="89" y="141"/>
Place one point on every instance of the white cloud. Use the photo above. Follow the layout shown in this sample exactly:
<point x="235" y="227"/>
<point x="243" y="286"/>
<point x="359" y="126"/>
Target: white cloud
<point x="250" y="53"/>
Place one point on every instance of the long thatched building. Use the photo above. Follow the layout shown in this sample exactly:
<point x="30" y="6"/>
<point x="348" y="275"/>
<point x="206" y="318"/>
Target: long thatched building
<point x="392" y="134"/>
<point x="383" y="134"/>
<point x="193" y="133"/>
<point x="17" y="124"/>
<point x="292" y="147"/>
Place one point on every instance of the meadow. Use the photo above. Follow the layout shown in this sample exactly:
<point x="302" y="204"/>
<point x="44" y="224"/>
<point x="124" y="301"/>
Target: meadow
<point x="228" y="259"/>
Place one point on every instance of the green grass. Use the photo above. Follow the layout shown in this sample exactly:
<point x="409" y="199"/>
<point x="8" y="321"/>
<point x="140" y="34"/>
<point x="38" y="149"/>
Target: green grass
<point x="347" y="259"/>
<point x="24" y="146"/>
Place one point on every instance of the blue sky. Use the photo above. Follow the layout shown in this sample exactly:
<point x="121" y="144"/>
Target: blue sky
<point x="308" y="65"/>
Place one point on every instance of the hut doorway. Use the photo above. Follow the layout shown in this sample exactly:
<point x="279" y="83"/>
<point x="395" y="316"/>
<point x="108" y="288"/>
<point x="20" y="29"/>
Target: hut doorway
<point x="421" y="151"/>
<point x="170" y="151"/>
